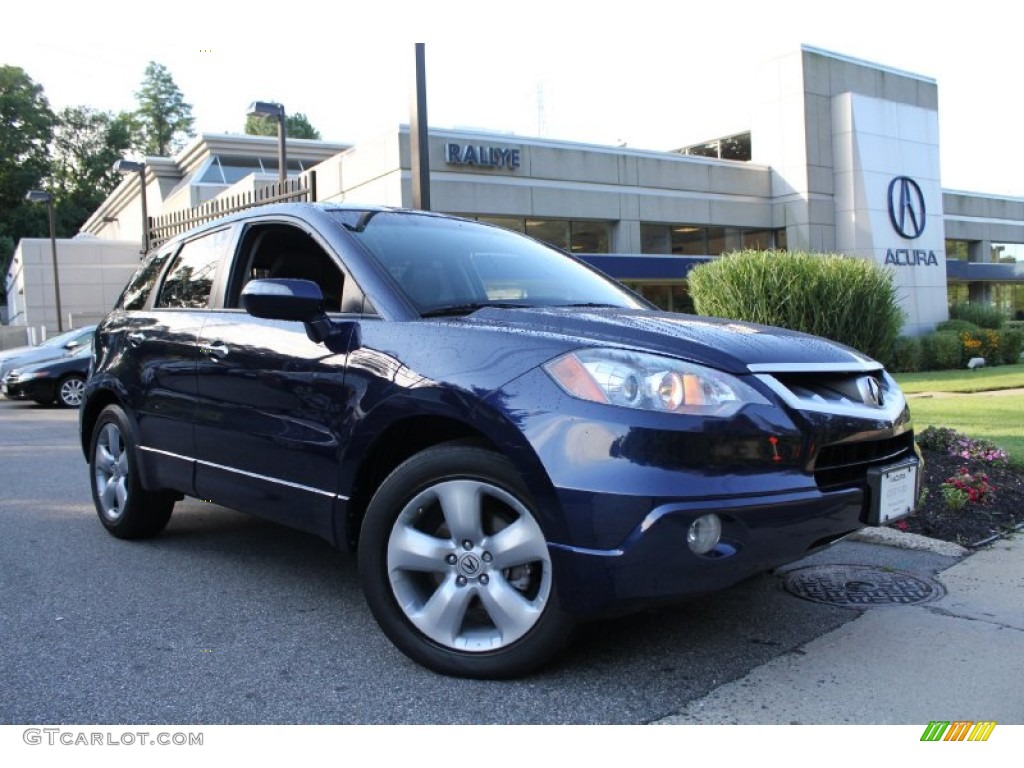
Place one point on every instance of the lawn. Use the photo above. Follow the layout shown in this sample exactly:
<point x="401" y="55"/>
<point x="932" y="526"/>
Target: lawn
<point x="963" y="380"/>
<point x="995" y="416"/>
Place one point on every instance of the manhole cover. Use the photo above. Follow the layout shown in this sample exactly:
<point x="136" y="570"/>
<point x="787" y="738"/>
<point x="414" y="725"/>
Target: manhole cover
<point x="861" y="586"/>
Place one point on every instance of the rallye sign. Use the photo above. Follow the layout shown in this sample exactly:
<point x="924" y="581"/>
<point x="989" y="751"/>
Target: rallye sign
<point x="482" y="156"/>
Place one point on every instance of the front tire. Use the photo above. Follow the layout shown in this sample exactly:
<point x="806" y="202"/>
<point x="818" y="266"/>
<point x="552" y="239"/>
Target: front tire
<point x="70" y="391"/>
<point x="456" y="568"/>
<point x="125" y="508"/>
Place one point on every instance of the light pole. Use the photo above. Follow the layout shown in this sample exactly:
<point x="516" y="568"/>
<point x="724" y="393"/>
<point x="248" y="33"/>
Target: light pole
<point x="38" y="196"/>
<point x="130" y="166"/>
<point x="275" y="110"/>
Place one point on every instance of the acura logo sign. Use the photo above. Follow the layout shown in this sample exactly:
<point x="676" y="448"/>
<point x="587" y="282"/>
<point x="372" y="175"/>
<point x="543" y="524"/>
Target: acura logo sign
<point x="906" y="207"/>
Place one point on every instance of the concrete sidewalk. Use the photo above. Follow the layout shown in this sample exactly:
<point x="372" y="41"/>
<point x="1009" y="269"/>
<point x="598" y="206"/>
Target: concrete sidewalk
<point x="959" y="658"/>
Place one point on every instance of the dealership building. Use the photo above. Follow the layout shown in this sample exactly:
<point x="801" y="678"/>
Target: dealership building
<point x="840" y="156"/>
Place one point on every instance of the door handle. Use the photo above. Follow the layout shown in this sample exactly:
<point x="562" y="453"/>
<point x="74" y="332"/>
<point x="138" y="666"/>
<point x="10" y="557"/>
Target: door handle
<point x="218" y="350"/>
<point x="136" y="338"/>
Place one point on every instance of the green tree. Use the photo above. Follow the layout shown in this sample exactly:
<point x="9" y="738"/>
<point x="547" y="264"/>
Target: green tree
<point x="164" y="119"/>
<point x="297" y="126"/>
<point x="26" y="126"/>
<point x="86" y="144"/>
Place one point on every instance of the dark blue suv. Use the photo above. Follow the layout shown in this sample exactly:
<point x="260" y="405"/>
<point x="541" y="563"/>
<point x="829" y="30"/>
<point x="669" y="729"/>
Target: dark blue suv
<point x="510" y="441"/>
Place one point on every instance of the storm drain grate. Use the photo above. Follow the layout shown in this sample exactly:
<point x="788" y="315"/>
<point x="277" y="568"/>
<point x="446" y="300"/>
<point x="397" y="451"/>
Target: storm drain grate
<point x="861" y="586"/>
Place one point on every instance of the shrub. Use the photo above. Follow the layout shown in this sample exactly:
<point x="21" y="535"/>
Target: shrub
<point x="942" y="350"/>
<point x="852" y="301"/>
<point x="982" y="315"/>
<point x="1011" y="343"/>
<point x="965" y="487"/>
<point x="958" y="326"/>
<point x="949" y="441"/>
<point x="907" y="355"/>
<point x="982" y="343"/>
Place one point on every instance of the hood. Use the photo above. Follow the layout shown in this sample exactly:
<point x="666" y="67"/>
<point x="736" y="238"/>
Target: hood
<point x="728" y="345"/>
<point x="14" y="352"/>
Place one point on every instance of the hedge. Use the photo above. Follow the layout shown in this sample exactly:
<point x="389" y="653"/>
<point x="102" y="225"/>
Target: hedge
<point x="852" y="301"/>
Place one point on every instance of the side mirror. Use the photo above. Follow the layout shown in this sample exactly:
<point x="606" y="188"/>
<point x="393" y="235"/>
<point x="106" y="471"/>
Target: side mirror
<point x="301" y="300"/>
<point x="281" y="299"/>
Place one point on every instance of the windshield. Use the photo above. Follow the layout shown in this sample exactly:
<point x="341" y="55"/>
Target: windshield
<point x="64" y="338"/>
<point x="450" y="266"/>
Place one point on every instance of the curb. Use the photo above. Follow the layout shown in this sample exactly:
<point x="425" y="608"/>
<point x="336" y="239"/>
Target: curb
<point x="890" y="537"/>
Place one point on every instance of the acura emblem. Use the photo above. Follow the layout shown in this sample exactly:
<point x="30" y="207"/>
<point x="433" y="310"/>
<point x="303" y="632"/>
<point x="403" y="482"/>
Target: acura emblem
<point x="906" y="207"/>
<point x="875" y="396"/>
<point x="469" y="565"/>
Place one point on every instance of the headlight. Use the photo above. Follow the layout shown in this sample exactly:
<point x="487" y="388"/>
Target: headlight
<point x="27" y="375"/>
<point x="650" y="382"/>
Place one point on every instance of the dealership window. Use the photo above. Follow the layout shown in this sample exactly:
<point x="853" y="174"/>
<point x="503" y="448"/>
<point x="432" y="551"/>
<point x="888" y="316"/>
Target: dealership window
<point x="1009" y="297"/>
<point x="567" y="234"/>
<point x="228" y="169"/>
<point x="550" y="231"/>
<point x="735" y="147"/>
<point x="957" y="293"/>
<point x="672" y="296"/>
<point x="506" y="222"/>
<point x="1007" y="253"/>
<point x="695" y="240"/>
<point x="958" y="250"/>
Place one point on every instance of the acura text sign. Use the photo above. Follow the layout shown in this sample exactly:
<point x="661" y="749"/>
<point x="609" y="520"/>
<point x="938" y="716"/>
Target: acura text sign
<point x="481" y="156"/>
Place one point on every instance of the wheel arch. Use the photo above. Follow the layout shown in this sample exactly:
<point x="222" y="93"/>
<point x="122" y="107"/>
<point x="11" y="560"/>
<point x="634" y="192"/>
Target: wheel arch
<point x="406" y="436"/>
<point x="97" y="399"/>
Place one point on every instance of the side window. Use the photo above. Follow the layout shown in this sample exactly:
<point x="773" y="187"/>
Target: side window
<point x="281" y="250"/>
<point x="190" y="278"/>
<point x="142" y="282"/>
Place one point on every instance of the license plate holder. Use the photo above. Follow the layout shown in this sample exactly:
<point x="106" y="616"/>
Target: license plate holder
<point x="893" y="491"/>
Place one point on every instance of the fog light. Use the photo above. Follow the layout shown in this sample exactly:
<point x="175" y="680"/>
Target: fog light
<point x="704" y="534"/>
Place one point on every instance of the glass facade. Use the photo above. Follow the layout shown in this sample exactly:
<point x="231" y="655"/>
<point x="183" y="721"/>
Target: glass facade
<point x="1009" y="297"/>
<point x="569" y="235"/>
<point x="227" y="169"/>
<point x="958" y="250"/>
<point x="668" y="296"/>
<point x="735" y="147"/>
<point x="1008" y="253"/>
<point x="697" y="240"/>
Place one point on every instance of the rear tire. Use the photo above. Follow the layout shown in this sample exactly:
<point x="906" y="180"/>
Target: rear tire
<point x="125" y="508"/>
<point x="456" y="569"/>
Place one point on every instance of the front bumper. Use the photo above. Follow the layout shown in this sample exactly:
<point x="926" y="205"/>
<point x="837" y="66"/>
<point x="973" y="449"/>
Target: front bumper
<point x="621" y="488"/>
<point x="654" y="562"/>
<point x="41" y="390"/>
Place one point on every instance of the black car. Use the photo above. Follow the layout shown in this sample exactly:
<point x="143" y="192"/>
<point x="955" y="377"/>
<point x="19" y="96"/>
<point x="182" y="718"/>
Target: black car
<point x="53" y="348"/>
<point x="60" y="380"/>
<point x="509" y="440"/>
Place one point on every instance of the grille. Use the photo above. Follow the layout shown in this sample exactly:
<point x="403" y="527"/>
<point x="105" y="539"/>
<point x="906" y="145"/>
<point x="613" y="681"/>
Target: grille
<point x="843" y="389"/>
<point x="846" y="464"/>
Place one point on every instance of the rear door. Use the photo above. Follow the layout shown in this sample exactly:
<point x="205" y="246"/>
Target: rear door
<point x="159" y="352"/>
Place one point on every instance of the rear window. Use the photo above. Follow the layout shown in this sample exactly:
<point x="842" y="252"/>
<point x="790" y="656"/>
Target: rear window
<point x="189" y="280"/>
<point x="139" y="287"/>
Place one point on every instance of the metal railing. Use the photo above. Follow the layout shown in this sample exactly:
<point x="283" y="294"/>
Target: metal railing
<point x="163" y="228"/>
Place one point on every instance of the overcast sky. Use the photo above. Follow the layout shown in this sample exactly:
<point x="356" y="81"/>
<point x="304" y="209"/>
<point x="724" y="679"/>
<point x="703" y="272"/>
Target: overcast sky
<point x="650" y="74"/>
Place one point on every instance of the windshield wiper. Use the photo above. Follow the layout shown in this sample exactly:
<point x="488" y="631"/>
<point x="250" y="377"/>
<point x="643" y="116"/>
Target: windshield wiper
<point x="469" y="308"/>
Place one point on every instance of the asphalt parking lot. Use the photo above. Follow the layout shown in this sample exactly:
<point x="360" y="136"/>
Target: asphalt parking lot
<point x="229" y="619"/>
